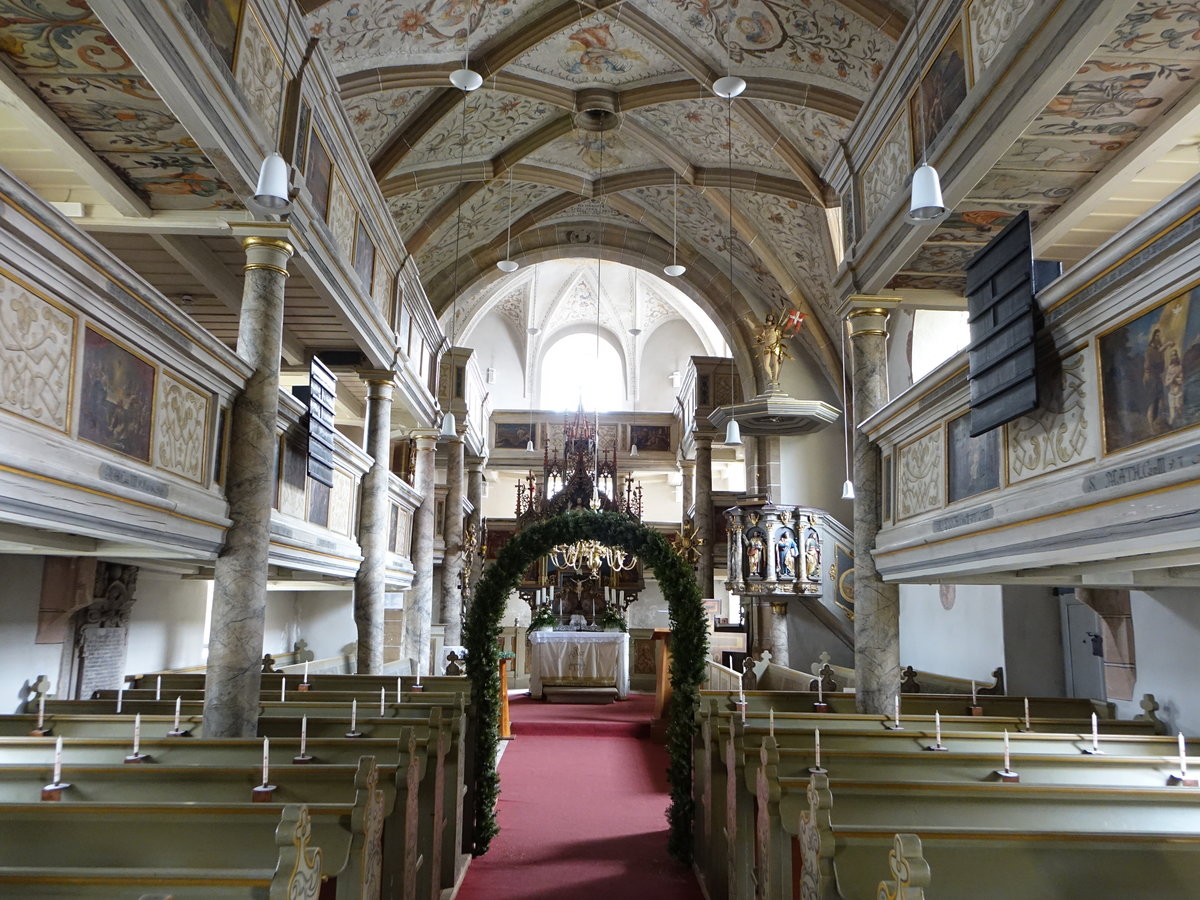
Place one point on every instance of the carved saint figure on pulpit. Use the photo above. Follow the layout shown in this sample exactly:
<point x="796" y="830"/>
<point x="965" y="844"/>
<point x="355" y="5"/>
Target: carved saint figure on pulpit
<point x="786" y="552"/>
<point x="754" y="556"/>
<point x="812" y="555"/>
<point x="770" y="337"/>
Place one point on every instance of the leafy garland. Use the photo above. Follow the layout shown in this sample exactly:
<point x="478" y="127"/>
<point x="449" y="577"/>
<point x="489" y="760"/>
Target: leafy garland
<point x="689" y="649"/>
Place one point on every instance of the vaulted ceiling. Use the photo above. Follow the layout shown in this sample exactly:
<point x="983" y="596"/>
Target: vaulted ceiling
<point x="602" y="115"/>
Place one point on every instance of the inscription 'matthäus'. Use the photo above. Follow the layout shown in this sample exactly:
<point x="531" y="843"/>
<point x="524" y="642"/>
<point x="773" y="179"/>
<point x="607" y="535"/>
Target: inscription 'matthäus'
<point x="1146" y="468"/>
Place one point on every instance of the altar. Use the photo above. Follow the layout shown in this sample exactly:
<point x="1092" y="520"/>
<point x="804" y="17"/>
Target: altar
<point x="579" y="659"/>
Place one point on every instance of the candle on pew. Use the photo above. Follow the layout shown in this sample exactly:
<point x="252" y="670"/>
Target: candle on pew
<point x="266" y="761"/>
<point x="1007" y="757"/>
<point x="353" y="713"/>
<point x="817" y="746"/>
<point x="1027" y="727"/>
<point x="937" y="725"/>
<point x="973" y="702"/>
<point x="418" y="684"/>
<point x="178" y="703"/>
<point x="304" y="736"/>
<point x="772" y="713"/>
<point x="58" y="761"/>
<point x="282" y="692"/>
<point x="158" y="688"/>
<point x="1182" y="756"/>
<point x="137" y="735"/>
<point x="897" y="713"/>
<point x="120" y="697"/>
<point x="382" y="702"/>
<point x="820" y="690"/>
<point x="42" y="715"/>
<point x="399" y="690"/>
<point x="306" y="671"/>
<point x="1095" y="734"/>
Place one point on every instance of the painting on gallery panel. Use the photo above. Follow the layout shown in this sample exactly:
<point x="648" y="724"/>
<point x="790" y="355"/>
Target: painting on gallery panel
<point x="1150" y="373"/>
<point x="974" y="462"/>
<point x="651" y="437"/>
<point x="116" y="402"/>
<point x="943" y="88"/>
<point x="513" y="436"/>
<point x="219" y="19"/>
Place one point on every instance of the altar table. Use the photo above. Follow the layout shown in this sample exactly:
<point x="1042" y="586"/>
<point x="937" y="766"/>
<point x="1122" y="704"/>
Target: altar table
<point x="579" y="659"/>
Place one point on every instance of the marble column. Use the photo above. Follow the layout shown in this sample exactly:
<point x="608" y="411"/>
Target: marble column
<point x="779" y="632"/>
<point x="370" y="583"/>
<point x="418" y="614"/>
<point x="234" y="672"/>
<point x="703" y="518"/>
<point x="876" y="605"/>
<point x="768" y="467"/>
<point x="688" y="467"/>
<point x="452" y="534"/>
<point x="475" y="467"/>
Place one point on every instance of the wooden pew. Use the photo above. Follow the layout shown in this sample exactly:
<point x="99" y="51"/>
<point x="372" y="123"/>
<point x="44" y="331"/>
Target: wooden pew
<point x="296" y="875"/>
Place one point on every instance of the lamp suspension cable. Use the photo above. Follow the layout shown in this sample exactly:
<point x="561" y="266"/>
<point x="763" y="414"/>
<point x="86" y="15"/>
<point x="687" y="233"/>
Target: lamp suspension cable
<point x="599" y="235"/>
<point x="272" y="190"/>
<point x="507" y="265"/>
<point x="733" y="431"/>
<point x="465" y="79"/>
<point x="449" y="426"/>
<point x="674" y="270"/>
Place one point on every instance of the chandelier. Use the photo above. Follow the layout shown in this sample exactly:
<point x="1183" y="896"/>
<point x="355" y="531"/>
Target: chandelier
<point x="592" y="556"/>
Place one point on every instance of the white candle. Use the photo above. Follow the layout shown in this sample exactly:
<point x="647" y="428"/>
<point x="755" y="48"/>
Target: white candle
<point x="266" y="761"/>
<point x="1027" y="727"/>
<point x="303" y="734"/>
<point x="593" y="609"/>
<point x="178" y="703"/>
<point x="1182" y="755"/>
<point x="306" y="671"/>
<point x="353" y="713"/>
<point x="741" y="695"/>
<point x="742" y="707"/>
<point x="120" y="697"/>
<point x="820" y="690"/>
<point x="158" y="688"/>
<point x="41" y="711"/>
<point x="817" y="746"/>
<point x="1007" y="758"/>
<point x="418" y="675"/>
<point x="282" y="692"/>
<point x="937" y="724"/>
<point x="897" y="712"/>
<point x="58" y="761"/>
<point x="399" y="690"/>
<point x="382" y="702"/>
<point x="137" y="734"/>
<point x="772" y="714"/>
<point x="1095" y="734"/>
<point x="973" y="703"/>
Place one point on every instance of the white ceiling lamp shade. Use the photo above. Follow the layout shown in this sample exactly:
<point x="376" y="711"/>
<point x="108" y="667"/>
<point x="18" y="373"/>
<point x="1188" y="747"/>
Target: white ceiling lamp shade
<point x="847" y="489"/>
<point x="272" y="191"/>
<point x="507" y="266"/>
<point x="529" y="446"/>
<point x="449" y="426"/>
<point x="927" y="205"/>
<point x="733" y="433"/>
<point x="633" y="450"/>
<point x="466" y="80"/>
<point x="674" y="270"/>
<point x="728" y="86"/>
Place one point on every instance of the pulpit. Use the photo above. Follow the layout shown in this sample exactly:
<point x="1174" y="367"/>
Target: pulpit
<point x="580" y="659"/>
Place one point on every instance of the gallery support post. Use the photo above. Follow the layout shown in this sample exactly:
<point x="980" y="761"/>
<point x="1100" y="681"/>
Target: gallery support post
<point x="234" y="673"/>
<point x="370" y="582"/>
<point x="876" y="605"/>
<point x="418" y="616"/>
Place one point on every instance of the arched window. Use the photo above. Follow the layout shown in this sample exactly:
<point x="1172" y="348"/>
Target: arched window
<point x="573" y="370"/>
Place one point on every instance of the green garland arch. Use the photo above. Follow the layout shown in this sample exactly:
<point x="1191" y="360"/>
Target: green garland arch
<point x="689" y="650"/>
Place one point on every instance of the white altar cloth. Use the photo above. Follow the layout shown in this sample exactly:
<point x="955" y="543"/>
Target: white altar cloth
<point x="579" y="659"/>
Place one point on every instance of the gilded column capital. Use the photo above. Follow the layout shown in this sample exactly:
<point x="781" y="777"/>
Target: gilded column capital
<point x="779" y="607"/>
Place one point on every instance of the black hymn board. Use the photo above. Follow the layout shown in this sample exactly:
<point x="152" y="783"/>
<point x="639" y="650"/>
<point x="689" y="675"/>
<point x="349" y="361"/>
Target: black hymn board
<point x="1002" y="312"/>
<point x="322" y="391"/>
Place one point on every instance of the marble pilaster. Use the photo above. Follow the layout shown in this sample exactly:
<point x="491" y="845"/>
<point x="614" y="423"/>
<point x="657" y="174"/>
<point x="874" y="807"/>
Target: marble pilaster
<point x="452" y="534"/>
<point x="779" y="633"/>
<point x="475" y="467"/>
<point x="703" y="518"/>
<point x="876" y="605"/>
<point x="688" y="468"/>
<point x="234" y="672"/>
<point x="418" y="615"/>
<point x="370" y="583"/>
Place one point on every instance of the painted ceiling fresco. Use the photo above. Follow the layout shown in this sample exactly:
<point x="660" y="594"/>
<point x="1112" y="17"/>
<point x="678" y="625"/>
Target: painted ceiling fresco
<point x="377" y="116"/>
<point x="588" y="153"/>
<point x="699" y="128"/>
<point x="1151" y="59"/>
<point x="62" y="52"/>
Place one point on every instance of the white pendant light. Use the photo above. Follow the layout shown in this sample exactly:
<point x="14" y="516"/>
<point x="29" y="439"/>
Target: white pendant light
<point x="847" y="489"/>
<point x="733" y="432"/>
<point x="728" y="86"/>
<point x="508" y="264"/>
<point x="529" y="446"/>
<point x="449" y="426"/>
<point x="633" y="450"/>
<point x="926" y="205"/>
<point x="272" y="190"/>
<point x="465" y="79"/>
<point x="674" y="270"/>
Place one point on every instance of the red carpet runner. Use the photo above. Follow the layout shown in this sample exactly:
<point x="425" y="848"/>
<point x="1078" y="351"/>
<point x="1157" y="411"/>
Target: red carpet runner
<point x="583" y="797"/>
